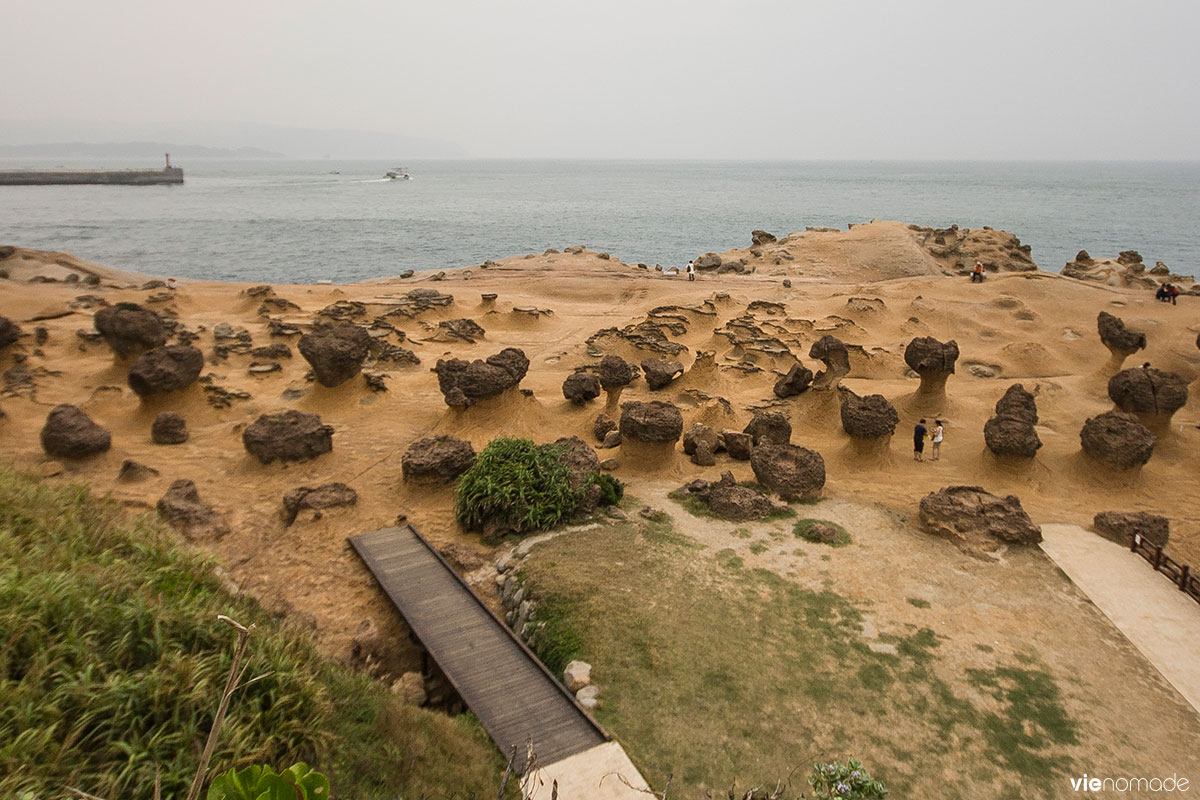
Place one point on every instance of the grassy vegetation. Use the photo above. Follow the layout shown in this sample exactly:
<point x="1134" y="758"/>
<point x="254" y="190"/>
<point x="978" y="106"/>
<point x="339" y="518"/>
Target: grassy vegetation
<point x="804" y="529"/>
<point x="516" y="485"/>
<point x="717" y="673"/>
<point x="112" y="662"/>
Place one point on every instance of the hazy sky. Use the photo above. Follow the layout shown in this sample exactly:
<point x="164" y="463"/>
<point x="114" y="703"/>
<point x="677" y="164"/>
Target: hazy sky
<point x="610" y="78"/>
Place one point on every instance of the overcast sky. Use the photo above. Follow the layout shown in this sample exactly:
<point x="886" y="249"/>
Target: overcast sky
<point x="642" y="79"/>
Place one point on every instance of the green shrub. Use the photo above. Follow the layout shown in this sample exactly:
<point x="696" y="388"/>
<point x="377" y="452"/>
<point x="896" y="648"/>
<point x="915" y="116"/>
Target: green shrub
<point x="849" y="781"/>
<point x="258" y="782"/>
<point x="516" y="485"/>
<point x="817" y="530"/>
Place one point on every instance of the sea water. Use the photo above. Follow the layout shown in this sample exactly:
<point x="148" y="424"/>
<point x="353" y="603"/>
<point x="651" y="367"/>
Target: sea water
<point x="303" y="221"/>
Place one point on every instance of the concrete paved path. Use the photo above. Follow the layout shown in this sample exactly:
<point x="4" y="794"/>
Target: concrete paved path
<point x="1160" y="620"/>
<point x="590" y="775"/>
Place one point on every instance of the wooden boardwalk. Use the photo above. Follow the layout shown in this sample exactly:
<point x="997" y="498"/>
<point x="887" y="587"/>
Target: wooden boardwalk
<point x="501" y="681"/>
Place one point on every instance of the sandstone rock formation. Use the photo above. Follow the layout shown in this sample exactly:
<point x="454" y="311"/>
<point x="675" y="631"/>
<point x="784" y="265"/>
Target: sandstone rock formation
<point x="580" y="387"/>
<point x="464" y="383"/>
<point x="1010" y="432"/>
<point x="653" y="421"/>
<point x="870" y="417"/>
<point x="581" y="461"/>
<point x="769" y="427"/>
<point x="70" y="433"/>
<point x="700" y="442"/>
<point x="659" y="372"/>
<point x="1117" y="440"/>
<point x="1127" y="270"/>
<point x="1120" y="526"/>
<point x="439" y="458"/>
<point x="933" y="361"/>
<point x="974" y="518"/>
<point x="795" y="382"/>
<point x="728" y="500"/>
<point x="329" y="495"/>
<point x="737" y="444"/>
<point x="831" y="352"/>
<point x="615" y="372"/>
<point x="603" y="425"/>
<point x="1121" y="343"/>
<point x="165" y="369"/>
<point x="1150" y="393"/>
<point x="792" y="472"/>
<point x="759" y="237"/>
<point x="182" y="508"/>
<point x="130" y="329"/>
<point x="169" y="428"/>
<point x="288" y="436"/>
<point x="9" y="332"/>
<point x="336" y="352"/>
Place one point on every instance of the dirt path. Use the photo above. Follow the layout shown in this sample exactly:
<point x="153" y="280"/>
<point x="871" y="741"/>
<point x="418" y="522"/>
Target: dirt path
<point x="1157" y="618"/>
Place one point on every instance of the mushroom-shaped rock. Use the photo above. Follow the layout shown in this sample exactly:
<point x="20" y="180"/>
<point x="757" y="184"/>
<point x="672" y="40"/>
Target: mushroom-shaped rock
<point x="70" y="433"/>
<point x="870" y="417"/>
<point x="933" y="361"/>
<point x="615" y="372"/>
<point x="336" y="352"/>
<point x="1117" y="440"/>
<point x="602" y="426"/>
<point x="795" y="382"/>
<point x="1018" y="404"/>
<point x="9" y="332"/>
<point x="968" y="515"/>
<point x="580" y="387"/>
<point x="439" y="458"/>
<point x="653" y="421"/>
<point x="165" y="369"/>
<point x="1119" y="341"/>
<point x="181" y="506"/>
<point x="464" y="383"/>
<point x="329" y="495"/>
<point x="769" y="427"/>
<point x="1148" y="391"/>
<point x="169" y="428"/>
<point x="289" y="436"/>
<point x="130" y="329"/>
<point x="831" y="352"/>
<point x="660" y="372"/>
<point x="1120" y="526"/>
<point x="760" y="237"/>
<point x="1011" y="436"/>
<point x="791" y="471"/>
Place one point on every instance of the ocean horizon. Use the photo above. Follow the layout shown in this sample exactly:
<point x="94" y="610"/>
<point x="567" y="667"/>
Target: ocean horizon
<point x="280" y="220"/>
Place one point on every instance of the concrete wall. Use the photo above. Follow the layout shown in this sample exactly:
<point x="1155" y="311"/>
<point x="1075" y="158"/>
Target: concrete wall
<point x="116" y="177"/>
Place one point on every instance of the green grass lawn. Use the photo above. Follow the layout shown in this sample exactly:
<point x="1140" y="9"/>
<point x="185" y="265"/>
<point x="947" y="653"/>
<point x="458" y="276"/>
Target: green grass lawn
<point x="112" y="663"/>
<point x="718" y="674"/>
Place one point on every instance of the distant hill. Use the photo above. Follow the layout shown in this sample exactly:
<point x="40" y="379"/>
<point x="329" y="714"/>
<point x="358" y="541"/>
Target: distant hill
<point x="153" y="150"/>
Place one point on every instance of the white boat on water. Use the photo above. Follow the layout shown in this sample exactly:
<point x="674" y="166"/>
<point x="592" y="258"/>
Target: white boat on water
<point x="399" y="174"/>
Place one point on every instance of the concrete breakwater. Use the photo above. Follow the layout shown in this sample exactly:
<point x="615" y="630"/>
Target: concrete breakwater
<point x="108" y="177"/>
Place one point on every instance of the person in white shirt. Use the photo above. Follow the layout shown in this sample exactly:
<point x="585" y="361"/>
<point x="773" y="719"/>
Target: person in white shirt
<point x="937" y="440"/>
<point x="691" y="271"/>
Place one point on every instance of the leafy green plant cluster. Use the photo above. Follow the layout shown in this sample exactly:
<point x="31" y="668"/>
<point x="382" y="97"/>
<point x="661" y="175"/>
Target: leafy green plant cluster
<point x="256" y="782"/>
<point x="848" y="781"/>
<point x="612" y="490"/>
<point x="112" y="663"/>
<point x="516" y="485"/>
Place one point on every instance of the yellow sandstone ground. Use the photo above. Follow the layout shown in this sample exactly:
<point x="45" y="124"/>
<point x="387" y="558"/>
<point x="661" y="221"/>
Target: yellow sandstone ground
<point x="875" y="287"/>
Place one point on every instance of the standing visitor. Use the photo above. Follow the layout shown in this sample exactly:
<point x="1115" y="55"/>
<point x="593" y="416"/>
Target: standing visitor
<point x="919" y="433"/>
<point x="937" y="440"/>
<point x="691" y="271"/>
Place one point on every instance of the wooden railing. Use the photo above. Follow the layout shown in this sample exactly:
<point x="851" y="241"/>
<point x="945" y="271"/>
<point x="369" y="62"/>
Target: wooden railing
<point x="1180" y="574"/>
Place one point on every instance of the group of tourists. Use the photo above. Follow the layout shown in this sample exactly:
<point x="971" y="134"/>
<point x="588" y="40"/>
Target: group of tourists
<point x="1167" y="293"/>
<point x="921" y="433"/>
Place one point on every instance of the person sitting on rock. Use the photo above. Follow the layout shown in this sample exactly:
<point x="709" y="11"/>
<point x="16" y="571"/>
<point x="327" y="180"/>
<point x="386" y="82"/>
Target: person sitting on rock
<point x="1161" y="294"/>
<point x="919" y="433"/>
<point x="977" y="273"/>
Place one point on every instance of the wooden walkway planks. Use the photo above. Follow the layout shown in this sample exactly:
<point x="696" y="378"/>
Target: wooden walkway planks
<point x="495" y="674"/>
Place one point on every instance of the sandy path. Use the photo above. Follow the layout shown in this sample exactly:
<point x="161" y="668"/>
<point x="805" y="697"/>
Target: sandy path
<point x="1160" y="620"/>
